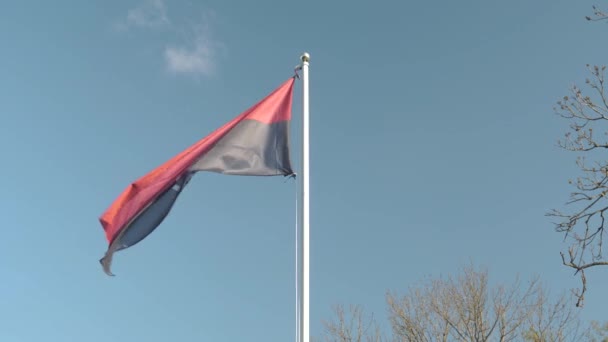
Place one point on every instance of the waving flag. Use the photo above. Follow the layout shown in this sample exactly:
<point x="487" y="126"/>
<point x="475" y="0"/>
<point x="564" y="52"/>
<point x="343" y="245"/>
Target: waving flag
<point x="255" y="143"/>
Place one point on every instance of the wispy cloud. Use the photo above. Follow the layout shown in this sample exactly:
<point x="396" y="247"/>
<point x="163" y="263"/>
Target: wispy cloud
<point x="150" y="14"/>
<point x="195" y="55"/>
<point x="198" y="58"/>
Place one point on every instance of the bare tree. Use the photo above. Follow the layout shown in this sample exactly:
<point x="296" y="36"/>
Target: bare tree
<point x="584" y="221"/>
<point x="598" y="332"/>
<point x="351" y="326"/>
<point x="553" y="321"/>
<point x="467" y="308"/>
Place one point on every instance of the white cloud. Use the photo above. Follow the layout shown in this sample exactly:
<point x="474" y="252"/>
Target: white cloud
<point x="196" y="55"/>
<point x="196" y="59"/>
<point x="150" y="14"/>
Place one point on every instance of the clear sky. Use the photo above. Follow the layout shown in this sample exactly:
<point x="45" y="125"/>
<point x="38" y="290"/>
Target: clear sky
<point x="433" y="143"/>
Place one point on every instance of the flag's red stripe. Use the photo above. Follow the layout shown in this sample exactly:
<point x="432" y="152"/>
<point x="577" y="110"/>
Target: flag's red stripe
<point x="275" y="107"/>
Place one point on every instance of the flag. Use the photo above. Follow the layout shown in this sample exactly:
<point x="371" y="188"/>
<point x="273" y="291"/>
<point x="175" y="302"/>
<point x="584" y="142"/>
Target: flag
<point x="255" y="143"/>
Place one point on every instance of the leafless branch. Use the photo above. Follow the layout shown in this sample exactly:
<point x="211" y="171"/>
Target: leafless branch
<point x="597" y="15"/>
<point x="583" y="225"/>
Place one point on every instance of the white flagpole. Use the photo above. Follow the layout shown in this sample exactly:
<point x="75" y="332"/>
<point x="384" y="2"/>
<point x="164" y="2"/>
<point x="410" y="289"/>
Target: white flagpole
<point x="304" y="306"/>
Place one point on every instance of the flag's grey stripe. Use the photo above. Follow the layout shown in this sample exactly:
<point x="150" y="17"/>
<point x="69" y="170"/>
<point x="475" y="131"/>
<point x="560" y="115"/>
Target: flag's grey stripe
<point x="146" y="222"/>
<point x="153" y="215"/>
<point x="251" y="148"/>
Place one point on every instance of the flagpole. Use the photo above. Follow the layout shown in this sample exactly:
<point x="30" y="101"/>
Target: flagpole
<point x="304" y="306"/>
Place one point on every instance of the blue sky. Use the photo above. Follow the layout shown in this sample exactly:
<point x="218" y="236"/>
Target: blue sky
<point x="433" y="143"/>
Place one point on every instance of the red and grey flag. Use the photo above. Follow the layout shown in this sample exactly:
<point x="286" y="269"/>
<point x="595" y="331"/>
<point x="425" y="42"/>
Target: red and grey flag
<point x="255" y="143"/>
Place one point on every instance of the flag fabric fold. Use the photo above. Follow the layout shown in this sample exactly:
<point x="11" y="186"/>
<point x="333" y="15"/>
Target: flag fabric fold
<point x="255" y="143"/>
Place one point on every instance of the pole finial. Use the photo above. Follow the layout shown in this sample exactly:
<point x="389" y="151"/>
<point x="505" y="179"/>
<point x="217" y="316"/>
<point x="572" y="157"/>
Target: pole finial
<point x="305" y="57"/>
